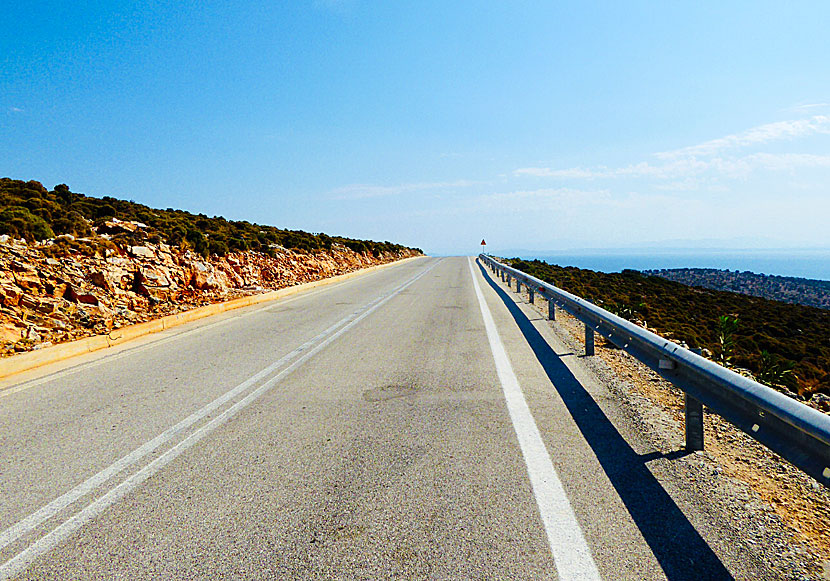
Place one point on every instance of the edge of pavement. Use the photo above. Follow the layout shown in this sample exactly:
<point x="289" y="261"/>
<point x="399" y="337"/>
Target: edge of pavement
<point x="14" y="365"/>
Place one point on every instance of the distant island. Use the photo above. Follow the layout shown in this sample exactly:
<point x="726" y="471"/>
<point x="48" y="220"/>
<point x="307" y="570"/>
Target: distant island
<point x="798" y="291"/>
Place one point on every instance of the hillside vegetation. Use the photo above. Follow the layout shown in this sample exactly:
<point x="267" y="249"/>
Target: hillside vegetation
<point x="784" y="345"/>
<point x="800" y="291"/>
<point x="28" y="210"/>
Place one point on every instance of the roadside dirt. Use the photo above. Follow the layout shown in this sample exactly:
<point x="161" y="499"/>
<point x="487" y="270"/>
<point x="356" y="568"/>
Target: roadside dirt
<point x="783" y="513"/>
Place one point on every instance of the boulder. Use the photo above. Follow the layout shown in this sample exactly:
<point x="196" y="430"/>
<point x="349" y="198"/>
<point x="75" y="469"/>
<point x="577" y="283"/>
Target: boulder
<point x="65" y="291"/>
<point x="88" y="299"/>
<point x="10" y="295"/>
<point x="156" y="276"/>
<point x="821" y="401"/>
<point x="142" y="252"/>
<point x="203" y="280"/>
<point x="28" y="280"/>
<point x="116" y="226"/>
<point x="100" y="280"/>
<point x="46" y="306"/>
<point x="9" y="333"/>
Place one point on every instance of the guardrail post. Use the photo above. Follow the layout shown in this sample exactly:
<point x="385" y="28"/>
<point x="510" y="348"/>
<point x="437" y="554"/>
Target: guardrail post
<point x="518" y="286"/>
<point x="531" y="295"/>
<point x="694" y="423"/>
<point x="589" y="340"/>
<point x="551" y="310"/>
<point x="502" y="276"/>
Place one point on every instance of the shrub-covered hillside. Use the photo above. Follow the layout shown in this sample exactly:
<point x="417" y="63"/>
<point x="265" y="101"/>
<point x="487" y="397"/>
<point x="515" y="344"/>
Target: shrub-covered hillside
<point x="783" y="345"/>
<point x="28" y="210"/>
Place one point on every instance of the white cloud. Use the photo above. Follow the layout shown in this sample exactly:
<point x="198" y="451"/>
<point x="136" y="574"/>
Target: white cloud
<point x="16" y="110"/>
<point x="810" y="107"/>
<point x="818" y="124"/>
<point x="736" y="167"/>
<point x="787" y="161"/>
<point x="363" y="191"/>
<point x="643" y="169"/>
<point x="546" y="172"/>
<point x="713" y="159"/>
<point x="544" y="197"/>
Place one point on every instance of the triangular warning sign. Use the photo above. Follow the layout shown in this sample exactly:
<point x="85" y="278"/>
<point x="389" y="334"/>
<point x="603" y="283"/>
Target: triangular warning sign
<point x="483" y="243"/>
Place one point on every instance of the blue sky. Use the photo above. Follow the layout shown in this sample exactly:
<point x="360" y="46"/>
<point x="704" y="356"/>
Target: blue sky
<point x="538" y="125"/>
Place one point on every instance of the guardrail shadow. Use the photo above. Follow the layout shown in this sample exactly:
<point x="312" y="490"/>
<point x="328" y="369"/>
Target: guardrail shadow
<point x="682" y="553"/>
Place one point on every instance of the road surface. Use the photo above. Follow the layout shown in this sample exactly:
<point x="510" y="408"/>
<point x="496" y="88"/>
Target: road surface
<point x="416" y="422"/>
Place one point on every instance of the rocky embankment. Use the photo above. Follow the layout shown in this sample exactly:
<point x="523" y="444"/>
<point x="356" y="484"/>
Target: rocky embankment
<point x="50" y="295"/>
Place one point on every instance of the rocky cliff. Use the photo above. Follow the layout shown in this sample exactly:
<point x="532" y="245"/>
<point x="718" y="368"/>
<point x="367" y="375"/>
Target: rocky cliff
<point x="52" y="292"/>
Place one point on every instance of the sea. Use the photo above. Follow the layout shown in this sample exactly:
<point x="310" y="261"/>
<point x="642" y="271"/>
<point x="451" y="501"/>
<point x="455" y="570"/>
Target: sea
<point x="814" y="264"/>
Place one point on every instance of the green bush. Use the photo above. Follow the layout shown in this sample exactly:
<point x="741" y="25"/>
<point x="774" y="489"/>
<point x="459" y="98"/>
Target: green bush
<point x="19" y="222"/>
<point x="33" y="212"/>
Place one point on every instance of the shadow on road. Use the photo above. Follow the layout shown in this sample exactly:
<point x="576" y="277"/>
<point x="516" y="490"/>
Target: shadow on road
<point x="678" y="547"/>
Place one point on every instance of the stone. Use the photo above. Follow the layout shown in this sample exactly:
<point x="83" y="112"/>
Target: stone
<point x="45" y="306"/>
<point x="822" y="401"/>
<point x="116" y="226"/>
<point x="9" y="333"/>
<point x="10" y="295"/>
<point x="142" y="252"/>
<point x="55" y="323"/>
<point x="100" y="280"/>
<point x="88" y="299"/>
<point x="65" y="291"/>
<point x="202" y="278"/>
<point x="156" y="276"/>
<point x="28" y="302"/>
<point x="28" y="280"/>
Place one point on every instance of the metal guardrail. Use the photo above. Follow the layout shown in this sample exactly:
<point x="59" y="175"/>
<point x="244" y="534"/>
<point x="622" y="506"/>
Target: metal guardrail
<point x="796" y="432"/>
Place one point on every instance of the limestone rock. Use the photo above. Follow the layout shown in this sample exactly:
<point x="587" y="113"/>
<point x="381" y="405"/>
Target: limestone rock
<point x="60" y="298"/>
<point x="100" y="280"/>
<point x="142" y="252"/>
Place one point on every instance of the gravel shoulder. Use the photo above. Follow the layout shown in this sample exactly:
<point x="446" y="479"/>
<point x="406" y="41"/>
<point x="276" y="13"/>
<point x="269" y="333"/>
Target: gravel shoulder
<point x="782" y="514"/>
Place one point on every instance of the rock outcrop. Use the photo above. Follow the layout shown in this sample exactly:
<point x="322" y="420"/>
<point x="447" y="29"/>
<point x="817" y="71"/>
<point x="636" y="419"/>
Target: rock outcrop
<point x="49" y="297"/>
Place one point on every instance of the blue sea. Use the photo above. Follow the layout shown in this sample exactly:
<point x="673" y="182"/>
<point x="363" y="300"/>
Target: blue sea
<point x="813" y="264"/>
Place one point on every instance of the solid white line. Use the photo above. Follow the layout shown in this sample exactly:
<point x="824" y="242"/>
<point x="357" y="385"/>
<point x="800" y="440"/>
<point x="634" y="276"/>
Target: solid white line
<point x="50" y="540"/>
<point x="571" y="554"/>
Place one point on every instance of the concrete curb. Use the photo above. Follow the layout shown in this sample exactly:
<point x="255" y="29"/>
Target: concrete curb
<point x="34" y="359"/>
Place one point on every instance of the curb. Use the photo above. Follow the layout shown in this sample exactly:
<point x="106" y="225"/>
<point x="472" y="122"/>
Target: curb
<point x="34" y="359"/>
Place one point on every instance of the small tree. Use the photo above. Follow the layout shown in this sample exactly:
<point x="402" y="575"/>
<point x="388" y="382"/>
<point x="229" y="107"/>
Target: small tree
<point x="727" y="327"/>
<point x="776" y="371"/>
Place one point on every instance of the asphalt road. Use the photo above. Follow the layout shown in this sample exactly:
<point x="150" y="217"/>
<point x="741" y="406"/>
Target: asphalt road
<point x="413" y="423"/>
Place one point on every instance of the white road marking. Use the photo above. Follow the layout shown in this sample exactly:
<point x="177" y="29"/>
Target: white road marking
<point x="46" y="543"/>
<point x="571" y="554"/>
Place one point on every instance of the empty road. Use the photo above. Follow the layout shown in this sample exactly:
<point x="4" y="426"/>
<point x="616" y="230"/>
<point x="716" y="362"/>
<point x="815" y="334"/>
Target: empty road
<point x="417" y="422"/>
